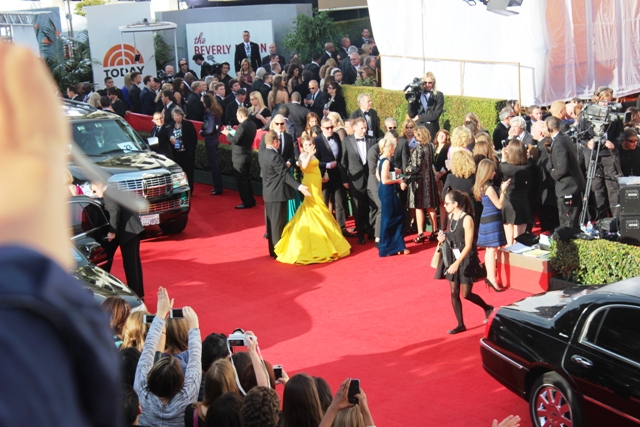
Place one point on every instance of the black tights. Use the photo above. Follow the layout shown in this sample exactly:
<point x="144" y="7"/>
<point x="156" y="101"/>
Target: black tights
<point x="466" y="294"/>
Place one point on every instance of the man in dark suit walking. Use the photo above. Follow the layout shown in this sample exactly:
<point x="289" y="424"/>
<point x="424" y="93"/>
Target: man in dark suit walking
<point x="297" y="113"/>
<point x="247" y="49"/>
<point x="124" y="231"/>
<point x="501" y="132"/>
<point x="169" y="105"/>
<point x="135" y="92"/>
<point x="241" y="144"/>
<point x="277" y="187"/>
<point x="329" y="153"/>
<point x="148" y="96"/>
<point x="316" y="99"/>
<point x="426" y="110"/>
<point x="354" y="164"/>
<point x="565" y="170"/>
<point x="195" y="106"/>
<point x="369" y="115"/>
<point x="232" y="107"/>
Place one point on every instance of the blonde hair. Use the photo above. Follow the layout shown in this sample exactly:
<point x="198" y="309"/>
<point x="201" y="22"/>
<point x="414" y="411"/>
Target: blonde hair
<point x="250" y="70"/>
<point x="556" y="107"/>
<point x="349" y="417"/>
<point x="462" y="164"/>
<point x="486" y="169"/>
<point x="257" y="95"/>
<point x="461" y="137"/>
<point x="472" y="117"/>
<point x="406" y="123"/>
<point x="484" y="146"/>
<point x="135" y="331"/>
<point x="387" y="142"/>
<point x="432" y="76"/>
<point x="335" y="118"/>
<point x="423" y="136"/>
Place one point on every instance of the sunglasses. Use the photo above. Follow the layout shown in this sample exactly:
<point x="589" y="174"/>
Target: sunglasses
<point x="328" y="127"/>
<point x="279" y="124"/>
<point x="182" y="64"/>
<point x="392" y="128"/>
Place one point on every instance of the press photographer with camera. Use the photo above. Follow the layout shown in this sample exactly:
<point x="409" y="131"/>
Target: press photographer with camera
<point x="605" y="182"/>
<point x="426" y="103"/>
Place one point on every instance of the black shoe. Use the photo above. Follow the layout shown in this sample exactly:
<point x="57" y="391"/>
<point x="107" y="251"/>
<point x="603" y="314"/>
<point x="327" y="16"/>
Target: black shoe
<point x="457" y="330"/>
<point x="376" y="244"/>
<point x="345" y="233"/>
<point x="265" y="236"/>
<point x="244" y="206"/>
<point x="215" y="193"/>
<point x="361" y="240"/>
<point x="371" y="235"/>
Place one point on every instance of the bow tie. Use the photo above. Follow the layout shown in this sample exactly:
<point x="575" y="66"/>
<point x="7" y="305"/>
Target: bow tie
<point x="360" y="140"/>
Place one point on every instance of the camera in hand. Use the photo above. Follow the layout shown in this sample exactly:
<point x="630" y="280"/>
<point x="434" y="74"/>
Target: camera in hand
<point x="354" y="388"/>
<point x="413" y="90"/>
<point x="238" y="338"/>
<point x="148" y="318"/>
<point x="277" y="370"/>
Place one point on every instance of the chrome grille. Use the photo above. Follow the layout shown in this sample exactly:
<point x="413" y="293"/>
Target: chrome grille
<point x="167" y="205"/>
<point x="148" y="187"/>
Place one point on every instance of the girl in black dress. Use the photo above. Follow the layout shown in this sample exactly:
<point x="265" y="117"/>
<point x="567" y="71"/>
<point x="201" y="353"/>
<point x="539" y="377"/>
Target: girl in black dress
<point x="464" y="270"/>
<point x="516" y="213"/>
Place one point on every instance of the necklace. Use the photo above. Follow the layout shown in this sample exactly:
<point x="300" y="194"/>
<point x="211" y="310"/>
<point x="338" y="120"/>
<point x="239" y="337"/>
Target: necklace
<point x="453" y="227"/>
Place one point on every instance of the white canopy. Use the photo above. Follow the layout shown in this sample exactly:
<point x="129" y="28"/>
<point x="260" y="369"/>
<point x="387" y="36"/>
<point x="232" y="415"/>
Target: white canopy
<point x="552" y="49"/>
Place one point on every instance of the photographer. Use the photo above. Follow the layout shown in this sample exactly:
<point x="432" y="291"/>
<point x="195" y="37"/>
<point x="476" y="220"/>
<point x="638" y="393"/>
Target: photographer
<point x="605" y="183"/>
<point x="427" y="106"/>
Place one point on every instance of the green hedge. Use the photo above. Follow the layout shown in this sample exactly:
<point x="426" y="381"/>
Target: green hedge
<point x="595" y="262"/>
<point x="391" y="103"/>
<point x="224" y="154"/>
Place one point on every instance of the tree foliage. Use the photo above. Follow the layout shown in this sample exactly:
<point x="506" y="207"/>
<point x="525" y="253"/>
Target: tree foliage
<point x="163" y="51"/>
<point x="80" y="7"/>
<point x="309" y="34"/>
<point x="69" y="60"/>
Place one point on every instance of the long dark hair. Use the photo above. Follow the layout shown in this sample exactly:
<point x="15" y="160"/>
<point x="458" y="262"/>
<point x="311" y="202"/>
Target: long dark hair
<point x="210" y="104"/>
<point x="463" y="200"/>
<point x="300" y="403"/>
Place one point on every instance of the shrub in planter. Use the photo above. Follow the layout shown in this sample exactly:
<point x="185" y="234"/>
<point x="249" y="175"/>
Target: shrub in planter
<point x="595" y="262"/>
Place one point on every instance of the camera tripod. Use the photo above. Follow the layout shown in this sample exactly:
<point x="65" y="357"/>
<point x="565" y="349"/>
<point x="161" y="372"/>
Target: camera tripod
<point x="598" y="141"/>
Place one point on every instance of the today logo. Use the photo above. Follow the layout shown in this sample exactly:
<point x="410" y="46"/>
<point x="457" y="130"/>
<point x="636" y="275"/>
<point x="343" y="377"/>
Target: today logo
<point x="122" y="59"/>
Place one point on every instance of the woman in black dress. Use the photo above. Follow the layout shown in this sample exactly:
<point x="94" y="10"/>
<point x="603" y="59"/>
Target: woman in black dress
<point x="442" y="143"/>
<point x="184" y="141"/>
<point x="336" y="101"/>
<point x="464" y="270"/>
<point x="516" y="212"/>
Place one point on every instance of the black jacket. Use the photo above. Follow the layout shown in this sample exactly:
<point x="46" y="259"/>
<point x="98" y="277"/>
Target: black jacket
<point x="429" y="118"/>
<point x="147" y="100"/>
<point x="195" y="107"/>
<point x="564" y="167"/>
<point x="277" y="183"/>
<point x="357" y="173"/>
<point x="375" y="121"/>
<point x="134" y="99"/>
<point x="242" y="143"/>
<point x="242" y="54"/>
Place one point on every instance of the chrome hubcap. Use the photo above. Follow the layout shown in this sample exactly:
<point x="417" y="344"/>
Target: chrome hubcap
<point x="552" y="408"/>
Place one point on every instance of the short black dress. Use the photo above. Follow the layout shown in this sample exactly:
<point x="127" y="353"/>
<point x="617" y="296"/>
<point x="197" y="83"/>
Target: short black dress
<point x="468" y="271"/>
<point x="516" y="209"/>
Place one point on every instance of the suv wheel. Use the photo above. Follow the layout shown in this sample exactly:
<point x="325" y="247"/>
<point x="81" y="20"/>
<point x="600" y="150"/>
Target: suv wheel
<point x="174" y="227"/>
<point x="552" y="402"/>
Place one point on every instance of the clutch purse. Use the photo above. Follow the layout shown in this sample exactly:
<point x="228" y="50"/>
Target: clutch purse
<point x="325" y="177"/>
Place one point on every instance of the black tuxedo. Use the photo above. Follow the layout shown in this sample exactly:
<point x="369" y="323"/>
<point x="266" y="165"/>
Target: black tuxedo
<point x="241" y="145"/>
<point x="373" y="122"/>
<point x="302" y="89"/>
<point x="265" y="89"/>
<point x="298" y="116"/>
<point x="168" y="109"/>
<point x="127" y="227"/>
<point x="334" y="189"/>
<point x="118" y="107"/>
<point x="357" y="175"/>
<point x="315" y="71"/>
<point x="222" y="102"/>
<point x="318" y="103"/>
<point x="267" y="59"/>
<point x="164" y="145"/>
<point x="287" y="148"/>
<point x="78" y="98"/>
<point x="349" y="74"/>
<point x="195" y="107"/>
<point x="242" y="54"/>
<point x="500" y="133"/>
<point x="402" y="154"/>
<point x="230" y="113"/>
<point x="429" y="118"/>
<point x="257" y="84"/>
<point x="277" y="188"/>
<point x="338" y="105"/>
<point x="206" y="69"/>
<point x="360" y="41"/>
<point x="565" y="170"/>
<point x="134" y="99"/>
<point x="325" y="57"/>
<point x="147" y="99"/>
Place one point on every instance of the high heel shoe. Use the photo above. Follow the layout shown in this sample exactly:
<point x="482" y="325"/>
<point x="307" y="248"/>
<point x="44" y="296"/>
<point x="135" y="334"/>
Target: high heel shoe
<point x="487" y="313"/>
<point x="420" y="239"/>
<point x="495" y="287"/>
<point x="433" y="236"/>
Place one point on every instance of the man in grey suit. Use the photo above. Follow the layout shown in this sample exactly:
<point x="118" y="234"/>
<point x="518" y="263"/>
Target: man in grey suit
<point x="241" y="144"/>
<point x="518" y="130"/>
<point x="354" y="165"/>
<point x="565" y="170"/>
<point x="277" y="186"/>
<point x="297" y="113"/>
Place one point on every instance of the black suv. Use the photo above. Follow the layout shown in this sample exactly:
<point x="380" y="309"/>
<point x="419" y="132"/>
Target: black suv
<point x="115" y="147"/>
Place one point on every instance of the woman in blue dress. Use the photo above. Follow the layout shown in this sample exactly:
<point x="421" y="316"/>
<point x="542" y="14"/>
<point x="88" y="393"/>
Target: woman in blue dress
<point x="491" y="232"/>
<point x="392" y="218"/>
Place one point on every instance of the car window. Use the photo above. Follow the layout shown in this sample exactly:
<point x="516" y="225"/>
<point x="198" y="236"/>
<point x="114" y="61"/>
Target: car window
<point x="616" y="330"/>
<point x="95" y="215"/>
<point x="103" y="137"/>
<point x="79" y="219"/>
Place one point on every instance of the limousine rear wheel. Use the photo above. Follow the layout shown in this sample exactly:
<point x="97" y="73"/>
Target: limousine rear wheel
<point x="552" y="402"/>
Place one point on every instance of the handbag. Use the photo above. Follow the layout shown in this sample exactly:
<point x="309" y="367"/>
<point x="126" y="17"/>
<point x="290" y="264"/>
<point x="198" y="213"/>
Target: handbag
<point x="446" y="259"/>
<point x="437" y="256"/>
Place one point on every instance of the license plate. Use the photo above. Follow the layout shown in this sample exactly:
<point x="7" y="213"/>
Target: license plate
<point x="148" y="220"/>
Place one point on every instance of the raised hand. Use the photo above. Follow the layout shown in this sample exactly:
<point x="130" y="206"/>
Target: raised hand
<point x="164" y="304"/>
<point x="191" y="317"/>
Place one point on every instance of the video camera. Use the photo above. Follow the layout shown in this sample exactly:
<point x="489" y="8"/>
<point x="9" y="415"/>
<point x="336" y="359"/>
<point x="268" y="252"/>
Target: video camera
<point x="413" y="90"/>
<point x="605" y="114"/>
<point x="164" y="77"/>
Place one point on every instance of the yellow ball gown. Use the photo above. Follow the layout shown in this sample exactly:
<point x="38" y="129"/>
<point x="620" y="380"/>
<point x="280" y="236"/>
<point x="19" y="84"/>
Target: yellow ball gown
<point x="312" y="236"/>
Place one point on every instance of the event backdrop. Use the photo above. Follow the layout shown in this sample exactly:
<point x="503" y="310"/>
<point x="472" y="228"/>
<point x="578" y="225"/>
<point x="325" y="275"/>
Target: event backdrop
<point x="565" y="48"/>
<point x="104" y="41"/>
<point x="217" y="40"/>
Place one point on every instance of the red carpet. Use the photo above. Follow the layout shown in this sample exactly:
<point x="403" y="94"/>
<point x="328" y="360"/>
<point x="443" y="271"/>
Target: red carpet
<point x="382" y="320"/>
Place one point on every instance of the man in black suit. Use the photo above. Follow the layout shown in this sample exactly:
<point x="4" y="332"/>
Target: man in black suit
<point x="501" y="132"/>
<point x="277" y="188"/>
<point x="369" y="114"/>
<point x="402" y="153"/>
<point x="314" y="66"/>
<point x="366" y="35"/>
<point x="241" y="144"/>
<point x="287" y="147"/>
<point x="206" y="69"/>
<point x="426" y="110"/>
<point x="169" y="105"/>
<point x="354" y="164"/>
<point x="329" y="52"/>
<point x="329" y="153"/>
<point x="116" y="104"/>
<point x="297" y="113"/>
<point x="124" y="231"/>
<point x="273" y="51"/>
<point x="350" y="73"/>
<point x="259" y="80"/>
<point x="232" y="107"/>
<point x="247" y="49"/>
<point x="195" y="106"/>
<point x="224" y="75"/>
<point x="220" y="90"/>
<point x="160" y="131"/>
<point x="148" y="96"/>
<point x="135" y="92"/>
<point x="72" y="93"/>
<point x="266" y="87"/>
<point x="565" y="170"/>
<point x="303" y="87"/>
<point x="316" y="99"/>
<point x="183" y="68"/>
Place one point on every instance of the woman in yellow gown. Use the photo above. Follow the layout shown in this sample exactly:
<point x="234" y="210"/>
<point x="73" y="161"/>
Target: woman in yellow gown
<point x="312" y="236"/>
